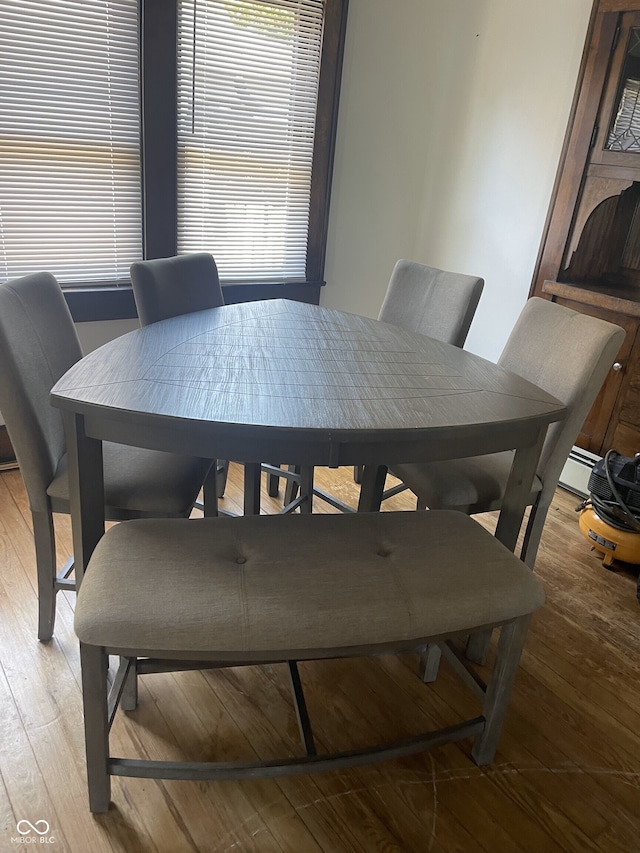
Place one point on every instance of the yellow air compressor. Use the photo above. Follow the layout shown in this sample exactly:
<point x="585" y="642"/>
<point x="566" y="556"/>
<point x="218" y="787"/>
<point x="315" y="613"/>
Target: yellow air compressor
<point x="610" y="518"/>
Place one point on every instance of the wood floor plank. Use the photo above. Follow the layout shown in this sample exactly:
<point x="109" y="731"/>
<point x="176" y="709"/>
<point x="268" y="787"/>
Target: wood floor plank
<point x="367" y="787"/>
<point x="23" y="792"/>
<point x="329" y="818"/>
<point x="392" y="712"/>
<point x="181" y="700"/>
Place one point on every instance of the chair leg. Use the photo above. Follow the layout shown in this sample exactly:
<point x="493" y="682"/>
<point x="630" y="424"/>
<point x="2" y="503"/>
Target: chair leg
<point x="291" y="489"/>
<point x="478" y="647"/>
<point x="429" y="662"/>
<point x="222" y="471"/>
<point x="494" y="707"/>
<point x="210" y="492"/>
<point x="252" y="481"/>
<point x="45" y="544"/>
<point x="357" y="473"/>
<point x="533" y="533"/>
<point x="302" y="714"/>
<point x="129" y="696"/>
<point x="373" y="479"/>
<point x="306" y="488"/>
<point x="94" y="663"/>
<point x="273" y="483"/>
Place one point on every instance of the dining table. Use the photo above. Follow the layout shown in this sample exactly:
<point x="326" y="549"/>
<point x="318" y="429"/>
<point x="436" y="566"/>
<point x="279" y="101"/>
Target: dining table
<point x="301" y="384"/>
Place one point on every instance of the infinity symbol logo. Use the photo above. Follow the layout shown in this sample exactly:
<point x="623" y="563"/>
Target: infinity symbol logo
<point x="25" y="826"/>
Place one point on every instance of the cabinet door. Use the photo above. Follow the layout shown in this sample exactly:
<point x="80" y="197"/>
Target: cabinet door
<point x="617" y="132"/>
<point x="623" y="433"/>
<point x="599" y="427"/>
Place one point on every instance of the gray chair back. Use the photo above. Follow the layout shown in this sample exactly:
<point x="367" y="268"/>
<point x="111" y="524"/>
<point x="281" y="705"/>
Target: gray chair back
<point x="168" y="287"/>
<point x="568" y="355"/>
<point x="430" y="301"/>
<point x="38" y="344"/>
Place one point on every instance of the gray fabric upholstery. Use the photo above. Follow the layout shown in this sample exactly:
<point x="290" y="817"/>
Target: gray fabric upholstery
<point x="139" y="482"/>
<point x="38" y="344"/>
<point x="434" y="302"/>
<point x="168" y="287"/>
<point x="567" y="354"/>
<point x="342" y="581"/>
<point x="475" y="484"/>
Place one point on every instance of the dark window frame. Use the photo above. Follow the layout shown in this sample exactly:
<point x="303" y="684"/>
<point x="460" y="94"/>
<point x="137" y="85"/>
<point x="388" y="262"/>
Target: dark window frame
<point x="158" y="80"/>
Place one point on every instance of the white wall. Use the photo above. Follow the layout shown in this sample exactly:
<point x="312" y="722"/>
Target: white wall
<point x="93" y="335"/>
<point x="451" y="122"/>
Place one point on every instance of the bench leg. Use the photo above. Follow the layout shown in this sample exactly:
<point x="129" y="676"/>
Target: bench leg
<point x="94" y="662"/>
<point x="494" y="707"/>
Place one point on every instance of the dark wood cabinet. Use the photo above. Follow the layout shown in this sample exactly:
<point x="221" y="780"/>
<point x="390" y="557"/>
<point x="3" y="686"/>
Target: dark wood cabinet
<point x="589" y="257"/>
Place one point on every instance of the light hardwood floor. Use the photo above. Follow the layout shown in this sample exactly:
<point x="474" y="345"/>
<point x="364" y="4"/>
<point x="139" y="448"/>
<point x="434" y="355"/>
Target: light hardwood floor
<point x="566" y="777"/>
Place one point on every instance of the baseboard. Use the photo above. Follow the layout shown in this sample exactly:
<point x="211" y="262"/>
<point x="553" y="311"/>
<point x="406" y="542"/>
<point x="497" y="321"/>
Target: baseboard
<point x="576" y="471"/>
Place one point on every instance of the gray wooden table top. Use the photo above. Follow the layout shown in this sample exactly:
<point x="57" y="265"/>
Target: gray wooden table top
<point x="277" y="371"/>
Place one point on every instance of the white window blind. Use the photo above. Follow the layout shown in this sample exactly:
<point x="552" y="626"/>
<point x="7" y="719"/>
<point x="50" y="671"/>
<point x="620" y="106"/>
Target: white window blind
<point x="248" y="75"/>
<point x="70" y="198"/>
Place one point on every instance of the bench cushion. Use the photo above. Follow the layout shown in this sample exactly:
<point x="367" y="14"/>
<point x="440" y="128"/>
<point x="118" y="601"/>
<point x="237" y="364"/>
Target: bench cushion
<point x="256" y="586"/>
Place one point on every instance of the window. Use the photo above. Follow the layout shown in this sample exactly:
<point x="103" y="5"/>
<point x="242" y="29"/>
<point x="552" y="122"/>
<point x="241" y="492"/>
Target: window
<point x="69" y="139"/>
<point x="143" y="128"/>
<point x="248" y="77"/>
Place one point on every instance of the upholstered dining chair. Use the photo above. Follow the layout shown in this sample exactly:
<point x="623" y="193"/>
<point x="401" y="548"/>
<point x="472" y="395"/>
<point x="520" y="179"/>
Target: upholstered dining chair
<point x="430" y="301"/>
<point x="168" y="287"/>
<point x="436" y="303"/>
<point x="38" y="344"/>
<point x="433" y="302"/>
<point x="568" y="355"/>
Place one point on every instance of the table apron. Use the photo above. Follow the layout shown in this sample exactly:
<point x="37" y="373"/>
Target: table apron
<point x="312" y="447"/>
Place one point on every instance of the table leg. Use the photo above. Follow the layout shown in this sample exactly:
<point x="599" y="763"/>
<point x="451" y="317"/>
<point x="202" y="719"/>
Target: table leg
<point x="86" y="490"/>
<point x="373" y="479"/>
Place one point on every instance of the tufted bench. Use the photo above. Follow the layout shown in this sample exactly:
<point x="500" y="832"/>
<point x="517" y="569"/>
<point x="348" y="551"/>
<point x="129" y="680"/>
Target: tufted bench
<point x="173" y="593"/>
